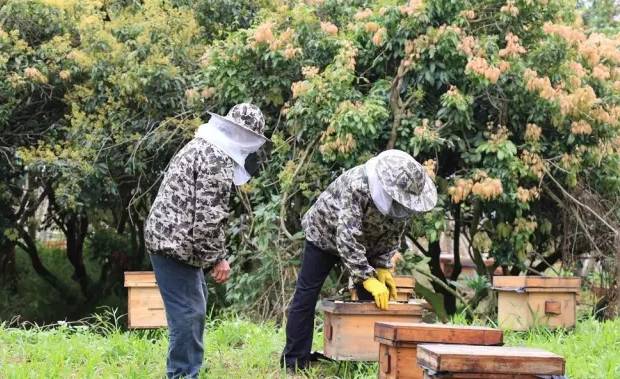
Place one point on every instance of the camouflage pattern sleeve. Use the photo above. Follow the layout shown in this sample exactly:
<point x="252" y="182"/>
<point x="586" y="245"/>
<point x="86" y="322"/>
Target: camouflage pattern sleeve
<point x="384" y="260"/>
<point x="348" y="233"/>
<point x="213" y="189"/>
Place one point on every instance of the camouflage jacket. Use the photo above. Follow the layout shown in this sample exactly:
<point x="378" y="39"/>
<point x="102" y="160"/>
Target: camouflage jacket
<point x="188" y="217"/>
<point x="345" y="222"/>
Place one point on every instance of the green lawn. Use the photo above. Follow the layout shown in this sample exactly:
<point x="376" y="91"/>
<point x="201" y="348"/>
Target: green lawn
<point x="237" y="348"/>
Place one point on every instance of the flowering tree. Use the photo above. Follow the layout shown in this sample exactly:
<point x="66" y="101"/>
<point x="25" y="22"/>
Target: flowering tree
<point x="511" y="106"/>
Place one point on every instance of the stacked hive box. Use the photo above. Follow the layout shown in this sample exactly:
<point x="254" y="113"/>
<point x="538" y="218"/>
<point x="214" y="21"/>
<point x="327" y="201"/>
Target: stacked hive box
<point x="526" y="301"/>
<point x="398" y="344"/>
<point x="487" y="362"/>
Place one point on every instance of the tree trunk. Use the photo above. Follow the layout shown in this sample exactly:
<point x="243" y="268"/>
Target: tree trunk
<point x="8" y="271"/>
<point x="456" y="270"/>
<point x="76" y="225"/>
<point x="434" y="252"/>
<point x="30" y="248"/>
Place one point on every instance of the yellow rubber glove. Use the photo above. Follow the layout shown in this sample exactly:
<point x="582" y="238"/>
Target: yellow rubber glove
<point x="379" y="291"/>
<point x="385" y="276"/>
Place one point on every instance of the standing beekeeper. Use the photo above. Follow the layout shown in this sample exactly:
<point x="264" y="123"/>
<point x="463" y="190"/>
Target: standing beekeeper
<point x="185" y="229"/>
<point x="358" y="220"/>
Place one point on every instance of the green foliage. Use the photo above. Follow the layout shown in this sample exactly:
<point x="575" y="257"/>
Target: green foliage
<point x="219" y="17"/>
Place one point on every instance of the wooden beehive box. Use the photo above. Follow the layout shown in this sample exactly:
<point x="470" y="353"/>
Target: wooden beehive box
<point x="145" y="306"/>
<point x="487" y="362"/>
<point x="349" y="327"/>
<point x="398" y="344"/>
<point x="526" y="301"/>
<point x="405" y="286"/>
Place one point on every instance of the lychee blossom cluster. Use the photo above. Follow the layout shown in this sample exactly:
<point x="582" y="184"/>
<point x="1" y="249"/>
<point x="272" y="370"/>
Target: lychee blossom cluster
<point x="35" y="75"/>
<point x="513" y="46"/>
<point x="581" y="127"/>
<point x="363" y="14"/>
<point x="510" y="9"/>
<point x="264" y="35"/>
<point x="532" y="132"/>
<point x="340" y="144"/>
<point x="329" y="28"/>
<point x="481" y="67"/>
<point x="411" y="8"/>
<point x="534" y="162"/>
<point x="481" y="185"/>
<point x="525" y="195"/>
<point x="430" y="166"/>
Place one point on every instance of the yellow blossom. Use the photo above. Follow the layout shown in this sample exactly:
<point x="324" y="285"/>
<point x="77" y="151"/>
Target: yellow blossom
<point x="488" y="188"/>
<point x="371" y="27"/>
<point x="581" y="127"/>
<point x="264" y="33"/>
<point x="430" y="166"/>
<point x="460" y="190"/>
<point x="300" y="88"/>
<point x="34" y="74"/>
<point x="532" y="132"/>
<point x="363" y="14"/>
<point x="601" y="72"/>
<point x="329" y="28"/>
<point x="207" y="92"/>
<point x="510" y="8"/>
<point x="534" y="162"/>
<point x="64" y="75"/>
<point x="379" y="36"/>
<point x="525" y="195"/>
<point x="481" y="67"/>
<point x="310" y="71"/>
<point x="513" y="47"/>
<point x="568" y="33"/>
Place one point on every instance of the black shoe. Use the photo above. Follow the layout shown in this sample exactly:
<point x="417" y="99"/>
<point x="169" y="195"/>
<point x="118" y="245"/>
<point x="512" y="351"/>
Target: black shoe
<point x="319" y="356"/>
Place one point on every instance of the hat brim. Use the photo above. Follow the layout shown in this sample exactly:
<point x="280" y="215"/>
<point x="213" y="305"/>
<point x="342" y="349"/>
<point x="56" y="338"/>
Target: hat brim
<point x="228" y="120"/>
<point x="424" y="202"/>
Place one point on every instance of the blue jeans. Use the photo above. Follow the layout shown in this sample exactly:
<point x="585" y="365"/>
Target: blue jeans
<point x="184" y="291"/>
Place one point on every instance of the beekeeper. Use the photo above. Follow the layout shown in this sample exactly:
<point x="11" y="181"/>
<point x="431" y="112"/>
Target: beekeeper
<point x="359" y="221"/>
<point x="185" y="229"/>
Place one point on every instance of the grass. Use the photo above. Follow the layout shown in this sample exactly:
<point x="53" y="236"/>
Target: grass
<point x="238" y="348"/>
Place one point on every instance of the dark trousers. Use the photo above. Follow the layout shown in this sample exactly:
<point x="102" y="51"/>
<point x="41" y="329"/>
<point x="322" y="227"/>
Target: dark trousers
<point x="184" y="291"/>
<point x="315" y="267"/>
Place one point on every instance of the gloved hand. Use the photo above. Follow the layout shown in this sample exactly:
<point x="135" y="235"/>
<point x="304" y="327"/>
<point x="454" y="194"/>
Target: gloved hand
<point x="379" y="291"/>
<point x="385" y="276"/>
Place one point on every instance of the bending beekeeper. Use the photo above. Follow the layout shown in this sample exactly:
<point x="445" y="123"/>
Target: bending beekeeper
<point x="185" y="229"/>
<point x="359" y="220"/>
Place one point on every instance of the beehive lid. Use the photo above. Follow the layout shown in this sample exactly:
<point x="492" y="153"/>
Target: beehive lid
<point x="437" y="333"/>
<point x="404" y="281"/>
<point x="536" y="284"/>
<point x="413" y="307"/>
<point x="489" y="360"/>
<point x="140" y="279"/>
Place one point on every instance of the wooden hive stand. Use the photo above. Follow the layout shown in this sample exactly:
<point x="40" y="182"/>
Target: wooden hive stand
<point x="145" y="306"/>
<point x="348" y="327"/>
<point x="527" y="301"/>
<point x="398" y="344"/>
<point x="487" y="362"/>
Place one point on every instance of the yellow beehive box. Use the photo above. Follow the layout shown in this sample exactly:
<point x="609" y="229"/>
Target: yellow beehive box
<point x="145" y="306"/>
<point x="527" y="301"/>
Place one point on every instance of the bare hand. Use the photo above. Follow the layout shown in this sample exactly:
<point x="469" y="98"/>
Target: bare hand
<point x="221" y="271"/>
